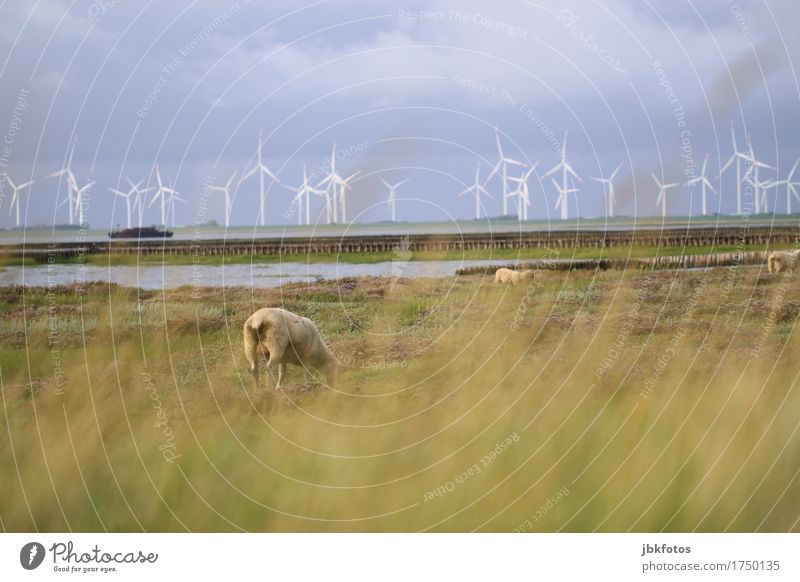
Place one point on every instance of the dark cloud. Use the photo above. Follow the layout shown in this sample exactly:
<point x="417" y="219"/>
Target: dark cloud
<point x="190" y="84"/>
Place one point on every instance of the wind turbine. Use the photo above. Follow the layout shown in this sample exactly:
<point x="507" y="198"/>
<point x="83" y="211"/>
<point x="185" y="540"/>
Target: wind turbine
<point x="566" y="170"/>
<point x="226" y="190"/>
<point x="79" y="210"/>
<point x="501" y="167"/>
<point x="334" y="185"/>
<point x="704" y="184"/>
<point x="172" y="200"/>
<point x="757" y="184"/>
<point x="15" y="198"/>
<point x="790" y="187"/>
<point x="262" y="171"/>
<point x="609" y="190"/>
<point x="760" y="189"/>
<point x="562" y="195"/>
<point x="662" y="194"/>
<point x="306" y="190"/>
<point x="737" y="157"/>
<point x="392" y="199"/>
<point x="127" y="197"/>
<point x="343" y="186"/>
<point x="160" y="193"/>
<point x="522" y="193"/>
<point x="72" y="183"/>
<point x="477" y="188"/>
<point x="138" y="204"/>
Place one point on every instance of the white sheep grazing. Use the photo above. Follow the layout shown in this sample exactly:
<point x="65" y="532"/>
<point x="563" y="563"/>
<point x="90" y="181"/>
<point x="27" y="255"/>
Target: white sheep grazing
<point x="781" y="260"/>
<point x="504" y="275"/>
<point x="283" y="337"/>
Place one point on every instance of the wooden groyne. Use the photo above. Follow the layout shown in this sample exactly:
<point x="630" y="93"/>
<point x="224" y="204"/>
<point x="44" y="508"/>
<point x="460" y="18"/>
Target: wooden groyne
<point x="556" y="240"/>
<point x="651" y="263"/>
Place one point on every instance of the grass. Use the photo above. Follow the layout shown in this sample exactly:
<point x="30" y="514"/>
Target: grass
<point x="658" y="401"/>
<point x="621" y="252"/>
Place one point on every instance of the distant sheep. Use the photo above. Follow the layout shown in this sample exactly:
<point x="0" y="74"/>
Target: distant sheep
<point x="781" y="260"/>
<point x="283" y="337"/>
<point x="503" y="275"/>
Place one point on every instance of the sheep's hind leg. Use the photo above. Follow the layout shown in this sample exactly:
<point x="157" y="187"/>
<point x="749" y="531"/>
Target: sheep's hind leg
<point x="254" y="374"/>
<point x="281" y="374"/>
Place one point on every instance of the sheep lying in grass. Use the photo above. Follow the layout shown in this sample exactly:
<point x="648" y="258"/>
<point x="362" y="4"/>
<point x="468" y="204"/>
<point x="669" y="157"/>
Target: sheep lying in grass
<point x="781" y="260"/>
<point x="283" y="337"/>
<point x="503" y="275"/>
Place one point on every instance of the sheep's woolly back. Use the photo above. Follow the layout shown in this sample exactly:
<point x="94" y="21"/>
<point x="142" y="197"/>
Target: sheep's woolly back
<point x="504" y="275"/>
<point x="781" y="260"/>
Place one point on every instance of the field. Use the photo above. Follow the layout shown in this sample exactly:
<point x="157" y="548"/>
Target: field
<point x="585" y="401"/>
<point x="621" y="253"/>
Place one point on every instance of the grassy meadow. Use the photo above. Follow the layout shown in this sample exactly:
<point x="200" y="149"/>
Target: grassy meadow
<point x="510" y="254"/>
<point x="584" y="401"/>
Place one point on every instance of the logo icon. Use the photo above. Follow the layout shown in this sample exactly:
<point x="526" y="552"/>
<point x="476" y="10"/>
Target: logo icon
<point x="31" y="555"/>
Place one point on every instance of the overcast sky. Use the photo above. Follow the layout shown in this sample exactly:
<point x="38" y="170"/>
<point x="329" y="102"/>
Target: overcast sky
<point x="406" y="90"/>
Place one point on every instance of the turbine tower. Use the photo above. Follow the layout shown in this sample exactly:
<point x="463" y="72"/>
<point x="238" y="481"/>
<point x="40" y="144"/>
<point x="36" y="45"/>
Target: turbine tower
<point x="15" y="197"/>
<point x="392" y="201"/>
<point x="226" y="190"/>
<point x="501" y="168"/>
<point x="737" y="157"/>
<point x="662" y="194"/>
<point x="704" y="184"/>
<point x="611" y="198"/>
<point x="567" y="171"/>
<point x="262" y="171"/>
<point x="477" y="188"/>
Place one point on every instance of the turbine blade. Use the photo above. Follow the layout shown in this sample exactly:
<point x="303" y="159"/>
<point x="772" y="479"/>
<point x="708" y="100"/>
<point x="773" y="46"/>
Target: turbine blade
<point x="495" y="170"/>
<point x="552" y="170"/>
<point x="514" y="162"/>
<point x="248" y="174"/>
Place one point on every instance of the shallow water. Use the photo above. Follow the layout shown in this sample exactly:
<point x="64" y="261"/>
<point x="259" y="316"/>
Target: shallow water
<point x="258" y="275"/>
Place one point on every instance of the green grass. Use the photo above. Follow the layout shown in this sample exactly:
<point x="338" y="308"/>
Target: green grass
<point x="379" y="257"/>
<point x="691" y="425"/>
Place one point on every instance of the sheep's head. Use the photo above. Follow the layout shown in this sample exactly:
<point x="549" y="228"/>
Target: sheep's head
<point x="331" y="370"/>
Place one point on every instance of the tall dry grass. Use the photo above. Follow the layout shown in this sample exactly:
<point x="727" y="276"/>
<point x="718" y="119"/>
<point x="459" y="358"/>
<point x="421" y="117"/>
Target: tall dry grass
<point x="587" y="401"/>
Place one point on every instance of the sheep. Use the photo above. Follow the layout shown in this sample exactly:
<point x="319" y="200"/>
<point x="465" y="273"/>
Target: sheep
<point x="782" y="260"/>
<point x="503" y="275"/>
<point x="283" y="337"/>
